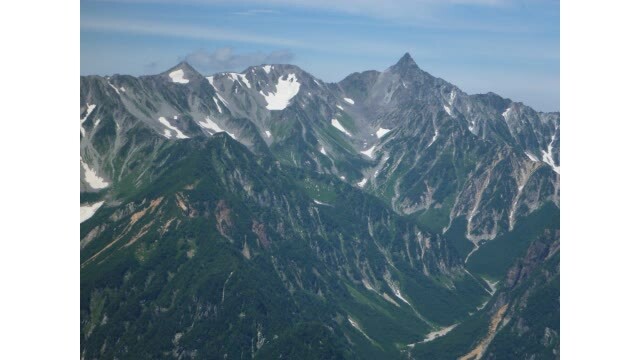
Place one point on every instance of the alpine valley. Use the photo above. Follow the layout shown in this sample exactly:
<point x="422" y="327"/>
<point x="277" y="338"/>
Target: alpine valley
<point x="267" y="214"/>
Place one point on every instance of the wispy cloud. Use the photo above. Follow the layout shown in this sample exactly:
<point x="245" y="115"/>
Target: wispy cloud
<point x="408" y="10"/>
<point x="253" y="12"/>
<point x="181" y="30"/>
<point x="225" y="59"/>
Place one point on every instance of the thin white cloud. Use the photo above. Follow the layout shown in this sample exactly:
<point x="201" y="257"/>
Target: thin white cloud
<point x="181" y="30"/>
<point x="226" y="58"/>
<point x="409" y="10"/>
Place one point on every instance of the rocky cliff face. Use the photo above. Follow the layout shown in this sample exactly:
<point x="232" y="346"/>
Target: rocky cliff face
<point x="266" y="213"/>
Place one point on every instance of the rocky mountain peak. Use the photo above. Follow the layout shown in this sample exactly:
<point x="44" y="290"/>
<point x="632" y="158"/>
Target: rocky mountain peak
<point x="182" y="73"/>
<point x="406" y="61"/>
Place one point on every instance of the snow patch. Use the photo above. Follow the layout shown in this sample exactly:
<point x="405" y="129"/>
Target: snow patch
<point x="217" y="105"/>
<point x="92" y="178"/>
<point x="209" y="124"/>
<point x="177" y="76"/>
<point x="397" y="293"/>
<point x="320" y="202"/>
<point x="87" y="211"/>
<point x="222" y="99"/>
<point x="114" y="88"/>
<point x="435" y="334"/>
<point x="166" y="123"/>
<point x="323" y="151"/>
<point x="86" y="116"/>
<point x="350" y="101"/>
<point x="237" y="77"/>
<point x="369" y="152"/>
<point x="362" y="182"/>
<point x="268" y="133"/>
<point x="286" y="89"/>
<point x="435" y="137"/>
<point x="532" y="157"/>
<point x="267" y="68"/>
<point x="547" y="156"/>
<point x="340" y="107"/>
<point x="447" y="109"/>
<point x="357" y="327"/>
<point x="382" y="132"/>
<point x="506" y="113"/>
<point x="336" y="124"/>
<point x="452" y="97"/>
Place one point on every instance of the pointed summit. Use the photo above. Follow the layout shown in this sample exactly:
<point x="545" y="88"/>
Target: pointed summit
<point x="406" y="62"/>
<point x="182" y="73"/>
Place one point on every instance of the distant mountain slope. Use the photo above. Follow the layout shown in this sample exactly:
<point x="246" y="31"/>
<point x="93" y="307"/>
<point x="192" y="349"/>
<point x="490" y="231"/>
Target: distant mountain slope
<point x="269" y="214"/>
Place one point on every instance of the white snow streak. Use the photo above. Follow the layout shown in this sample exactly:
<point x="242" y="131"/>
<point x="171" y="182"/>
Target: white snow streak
<point x="114" y="88"/>
<point x="452" y="97"/>
<point x="357" y="326"/>
<point x="506" y="113"/>
<point x="286" y="89"/>
<point x="447" y="109"/>
<point x="237" y="77"/>
<point x="217" y="105"/>
<point x="547" y="156"/>
<point x="362" y="182"/>
<point x="267" y="68"/>
<point x="87" y="211"/>
<point x="222" y="99"/>
<point x="89" y="110"/>
<point x="434" y="335"/>
<point x="350" y="101"/>
<point x="435" y="136"/>
<point x="531" y="156"/>
<point x="178" y="77"/>
<point x="336" y="124"/>
<point x="382" y="132"/>
<point x="209" y="124"/>
<point x="166" y="123"/>
<point x="340" y="107"/>
<point x="268" y="133"/>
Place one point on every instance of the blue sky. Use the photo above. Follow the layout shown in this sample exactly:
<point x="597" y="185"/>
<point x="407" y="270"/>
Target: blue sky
<point x="510" y="47"/>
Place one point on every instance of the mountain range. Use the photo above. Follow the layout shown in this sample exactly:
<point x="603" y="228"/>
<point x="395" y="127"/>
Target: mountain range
<point x="268" y="214"/>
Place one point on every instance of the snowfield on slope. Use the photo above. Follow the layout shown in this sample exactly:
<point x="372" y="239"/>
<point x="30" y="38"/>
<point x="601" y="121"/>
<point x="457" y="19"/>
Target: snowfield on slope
<point x="382" y="132"/>
<point x="238" y="76"/>
<point x="92" y="178"/>
<point x="209" y="124"/>
<point x="369" y="152"/>
<point x="89" y="110"/>
<point x="166" y="123"/>
<point x="87" y="211"/>
<point x="178" y="77"/>
<point x="336" y="124"/>
<point x="286" y="89"/>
